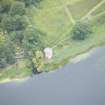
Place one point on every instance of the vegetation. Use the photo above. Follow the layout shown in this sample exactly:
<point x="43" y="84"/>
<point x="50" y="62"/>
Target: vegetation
<point x="31" y="2"/>
<point x="7" y="52"/>
<point x="81" y="31"/>
<point x="17" y="40"/>
<point x="17" y="8"/>
<point x="70" y="27"/>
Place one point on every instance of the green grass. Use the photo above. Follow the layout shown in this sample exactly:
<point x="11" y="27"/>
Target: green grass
<point x="70" y="50"/>
<point x="53" y="20"/>
<point x="12" y="72"/>
<point x="53" y="23"/>
<point x="99" y="10"/>
<point x="81" y="8"/>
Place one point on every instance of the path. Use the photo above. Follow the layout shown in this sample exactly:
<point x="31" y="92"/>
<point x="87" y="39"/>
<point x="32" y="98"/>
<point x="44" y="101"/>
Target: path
<point x="70" y="15"/>
<point x="93" y="9"/>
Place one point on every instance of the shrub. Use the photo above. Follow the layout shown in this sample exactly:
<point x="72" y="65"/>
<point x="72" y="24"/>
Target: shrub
<point x="16" y="23"/>
<point x="81" y="31"/>
<point x="18" y="8"/>
<point x="31" y="2"/>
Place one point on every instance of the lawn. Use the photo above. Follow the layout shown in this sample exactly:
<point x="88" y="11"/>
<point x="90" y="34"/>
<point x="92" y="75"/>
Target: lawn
<point x="99" y="10"/>
<point x="82" y="8"/>
<point x="54" y="20"/>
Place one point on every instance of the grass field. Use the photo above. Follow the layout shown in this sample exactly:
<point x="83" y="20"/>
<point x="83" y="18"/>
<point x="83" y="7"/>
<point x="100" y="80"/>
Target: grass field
<point x="99" y="10"/>
<point x="56" y="18"/>
<point x="81" y="8"/>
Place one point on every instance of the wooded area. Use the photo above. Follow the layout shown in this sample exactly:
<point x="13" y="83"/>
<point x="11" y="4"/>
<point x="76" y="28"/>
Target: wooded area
<point x="16" y="37"/>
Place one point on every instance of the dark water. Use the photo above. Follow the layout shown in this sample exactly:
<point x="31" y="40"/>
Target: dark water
<point x="75" y="84"/>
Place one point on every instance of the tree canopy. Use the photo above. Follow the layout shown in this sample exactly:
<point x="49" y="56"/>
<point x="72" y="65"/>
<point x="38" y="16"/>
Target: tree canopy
<point x="31" y="2"/>
<point x="81" y="31"/>
<point x="16" y="33"/>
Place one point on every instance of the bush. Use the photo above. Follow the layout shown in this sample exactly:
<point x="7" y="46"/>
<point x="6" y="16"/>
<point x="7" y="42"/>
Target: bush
<point x="81" y="31"/>
<point x="31" y="2"/>
<point x="5" y="6"/>
<point x="18" y="8"/>
<point x="39" y="61"/>
<point x="16" y="36"/>
<point x="16" y="23"/>
<point x="3" y="63"/>
<point x="10" y="54"/>
<point x="7" y="55"/>
<point x="7" y="52"/>
<point x="32" y="39"/>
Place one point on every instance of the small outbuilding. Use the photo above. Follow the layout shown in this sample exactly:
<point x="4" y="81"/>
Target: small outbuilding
<point x="48" y="53"/>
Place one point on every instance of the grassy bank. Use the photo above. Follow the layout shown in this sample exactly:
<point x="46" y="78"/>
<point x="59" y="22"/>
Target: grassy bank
<point x="15" y="72"/>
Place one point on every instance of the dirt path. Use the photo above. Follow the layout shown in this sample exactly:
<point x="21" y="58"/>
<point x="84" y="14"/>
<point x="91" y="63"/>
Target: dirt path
<point x="93" y="9"/>
<point x="69" y="14"/>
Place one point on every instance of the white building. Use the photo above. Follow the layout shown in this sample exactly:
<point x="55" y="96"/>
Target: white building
<point x="48" y="53"/>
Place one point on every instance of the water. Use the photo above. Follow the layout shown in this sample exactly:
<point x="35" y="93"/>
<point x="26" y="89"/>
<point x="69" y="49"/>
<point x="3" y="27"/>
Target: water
<point x="75" y="84"/>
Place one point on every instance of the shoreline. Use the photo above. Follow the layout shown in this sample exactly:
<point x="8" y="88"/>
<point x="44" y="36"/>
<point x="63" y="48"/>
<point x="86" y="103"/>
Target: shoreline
<point x="8" y="80"/>
<point x="76" y="59"/>
<point x="82" y="56"/>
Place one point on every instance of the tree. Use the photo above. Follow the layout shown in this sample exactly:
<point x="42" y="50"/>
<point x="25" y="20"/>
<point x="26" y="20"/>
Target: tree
<point x="32" y="43"/>
<point x="33" y="39"/>
<point x="17" y="36"/>
<point x="81" y="31"/>
<point x="17" y="8"/>
<point x="7" y="52"/>
<point x="2" y="63"/>
<point x="5" y="6"/>
<point x="31" y="2"/>
<point x="16" y="23"/>
<point x="39" y="60"/>
<point x="1" y="17"/>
